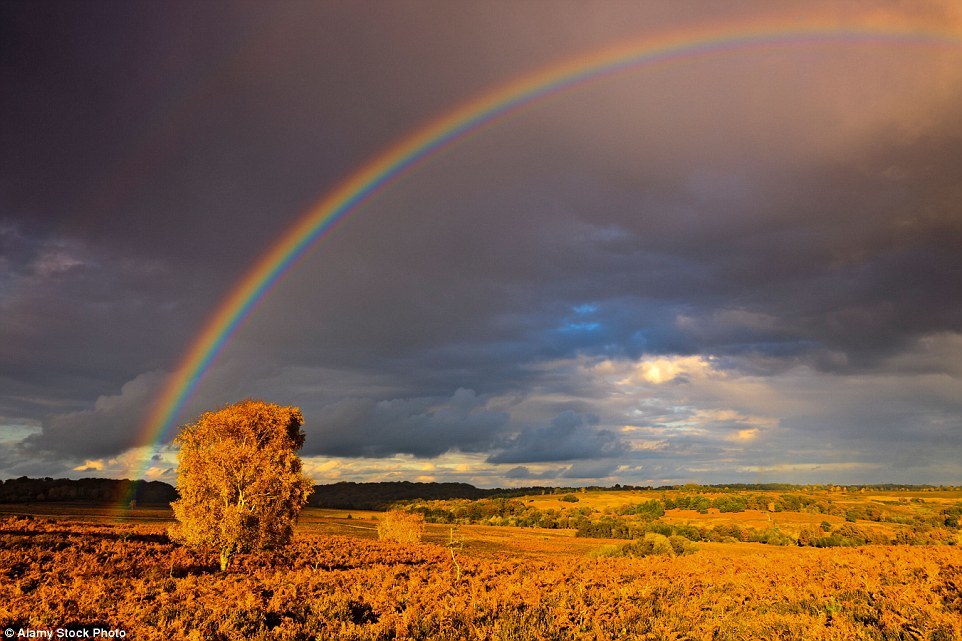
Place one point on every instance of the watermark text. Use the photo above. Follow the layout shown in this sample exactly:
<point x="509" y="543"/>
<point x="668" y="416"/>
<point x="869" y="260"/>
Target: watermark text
<point x="72" y="632"/>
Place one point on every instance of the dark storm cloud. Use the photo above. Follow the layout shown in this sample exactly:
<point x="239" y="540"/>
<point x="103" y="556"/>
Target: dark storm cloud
<point x="809" y="262"/>
<point x="874" y="258"/>
<point x="15" y="463"/>
<point x="109" y="428"/>
<point x="522" y="472"/>
<point x="570" y="436"/>
<point x="79" y="317"/>
<point x="774" y="212"/>
<point x="592" y="470"/>
<point x="423" y="427"/>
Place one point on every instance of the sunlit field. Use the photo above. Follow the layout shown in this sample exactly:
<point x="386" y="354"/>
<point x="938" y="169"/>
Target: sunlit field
<point x="70" y="565"/>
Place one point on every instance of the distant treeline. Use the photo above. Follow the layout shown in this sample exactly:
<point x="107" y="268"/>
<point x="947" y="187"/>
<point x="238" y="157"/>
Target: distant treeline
<point x="381" y="496"/>
<point x="781" y="487"/>
<point x="28" y="490"/>
<point x="355" y="496"/>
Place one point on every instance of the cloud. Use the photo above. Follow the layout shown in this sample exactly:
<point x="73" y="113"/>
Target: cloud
<point x="570" y="436"/>
<point x="594" y="470"/>
<point x="728" y="418"/>
<point x="55" y="262"/>
<point x="112" y="426"/>
<point x="90" y="466"/>
<point x="525" y="473"/>
<point x="938" y="353"/>
<point x="81" y="318"/>
<point x="423" y="427"/>
<point x="582" y="470"/>
<point x="657" y="370"/>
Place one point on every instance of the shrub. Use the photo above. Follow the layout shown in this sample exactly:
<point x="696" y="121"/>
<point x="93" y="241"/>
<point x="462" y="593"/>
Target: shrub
<point x="681" y="545"/>
<point x="649" y="509"/>
<point x="774" y="536"/>
<point x="401" y="526"/>
<point x="651" y="545"/>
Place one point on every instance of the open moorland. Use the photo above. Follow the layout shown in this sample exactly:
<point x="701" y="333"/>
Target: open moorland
<point x="806" y="516"/>
<point x="685" y="563"/>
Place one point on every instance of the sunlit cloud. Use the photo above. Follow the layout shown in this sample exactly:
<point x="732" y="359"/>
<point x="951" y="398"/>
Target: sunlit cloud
<point x="655" y="370"/>
<point x="745" y="435"/>
<point x="90" y="466"/>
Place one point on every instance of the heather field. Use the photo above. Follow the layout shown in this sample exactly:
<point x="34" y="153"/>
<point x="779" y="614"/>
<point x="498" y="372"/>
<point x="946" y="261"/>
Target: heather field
<point x="69" y="566"/>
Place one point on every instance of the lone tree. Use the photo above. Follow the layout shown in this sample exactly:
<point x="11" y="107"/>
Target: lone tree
<point x="239" y="479"/>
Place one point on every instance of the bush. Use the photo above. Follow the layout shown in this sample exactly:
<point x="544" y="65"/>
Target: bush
<point x="651" y="545"/>
<point x="649" y="509"/>
<point x="730" y="504"/>
<point x="681" y="545"/>
<point x="401" y="526"/>
<point x="774" y="536"/>
<point x="726" y="532"/>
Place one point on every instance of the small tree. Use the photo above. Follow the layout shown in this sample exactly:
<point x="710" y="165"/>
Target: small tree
<point x="239" y="479"/>
<point x="401" y="526"/>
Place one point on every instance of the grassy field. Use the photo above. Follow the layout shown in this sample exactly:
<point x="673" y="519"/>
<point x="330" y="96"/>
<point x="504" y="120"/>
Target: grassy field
<point x="66" y="565"/>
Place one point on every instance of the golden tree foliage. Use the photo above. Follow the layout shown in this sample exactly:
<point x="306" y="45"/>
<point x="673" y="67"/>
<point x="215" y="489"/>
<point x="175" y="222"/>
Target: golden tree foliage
<point x="239" y="479"/>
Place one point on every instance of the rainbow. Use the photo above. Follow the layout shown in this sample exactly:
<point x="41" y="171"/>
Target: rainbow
<point x="467" y="120"/>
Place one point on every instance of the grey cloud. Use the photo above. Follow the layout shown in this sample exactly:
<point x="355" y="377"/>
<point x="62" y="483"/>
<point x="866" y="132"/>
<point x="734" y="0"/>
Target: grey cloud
<point x="592" y="470"/>
<point x="570" y="436"/>
<point x="14" y="462"/>
<point x="585" y="470"/>
<point x="522" y="472"/>
<point x="81" y="318"/>
<point x="424" y="427"/>
<point x="114" y="424"/>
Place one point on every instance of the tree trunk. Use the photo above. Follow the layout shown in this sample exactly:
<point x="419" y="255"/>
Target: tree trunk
<point x="224" y="559"/>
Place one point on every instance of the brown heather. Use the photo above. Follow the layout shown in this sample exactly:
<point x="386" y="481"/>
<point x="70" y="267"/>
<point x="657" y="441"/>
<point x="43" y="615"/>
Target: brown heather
<point x="334" y="587"/>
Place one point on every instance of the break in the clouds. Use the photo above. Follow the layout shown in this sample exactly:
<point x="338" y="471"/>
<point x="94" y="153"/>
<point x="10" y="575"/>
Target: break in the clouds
<point x="737" y="266"/>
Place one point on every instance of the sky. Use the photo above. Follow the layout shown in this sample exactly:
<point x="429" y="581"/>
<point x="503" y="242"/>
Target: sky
<point x="742" y="266"/>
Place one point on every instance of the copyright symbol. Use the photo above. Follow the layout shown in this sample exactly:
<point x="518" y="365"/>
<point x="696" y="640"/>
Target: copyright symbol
<point x="8" y="632"/>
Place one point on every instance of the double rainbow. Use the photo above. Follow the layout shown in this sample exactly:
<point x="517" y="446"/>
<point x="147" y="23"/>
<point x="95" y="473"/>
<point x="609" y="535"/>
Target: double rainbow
<point x="466" y="120"/>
